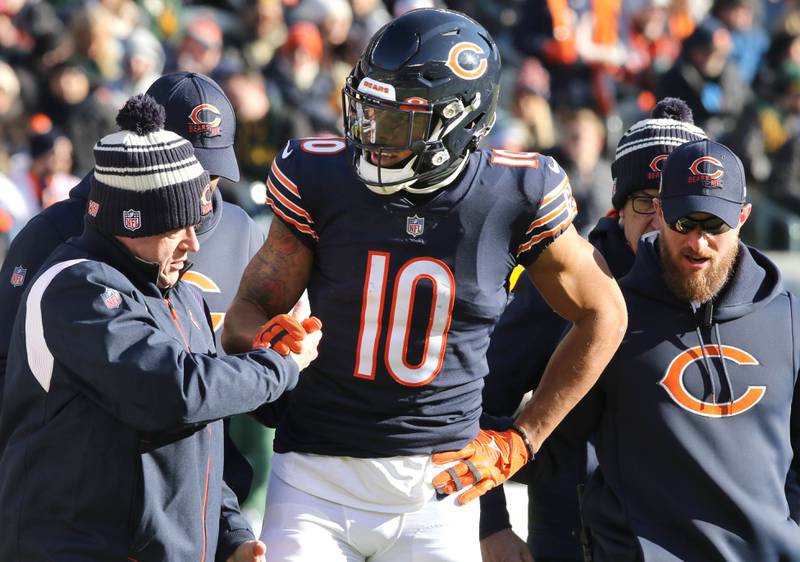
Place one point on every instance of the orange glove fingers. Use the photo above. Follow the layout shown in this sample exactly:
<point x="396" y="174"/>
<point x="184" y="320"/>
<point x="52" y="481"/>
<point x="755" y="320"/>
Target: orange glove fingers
<point x="280" y="347"/>
<point x="279" y="328"/>
<point x="296" y="346"/>
<point x="311" y="324"/>
<point x="291" y="325"/>
<point x="264" y="337"/>
<point x="476" y="491"/>
<point x="457" y="477"/>
<point x="284" y="344"/>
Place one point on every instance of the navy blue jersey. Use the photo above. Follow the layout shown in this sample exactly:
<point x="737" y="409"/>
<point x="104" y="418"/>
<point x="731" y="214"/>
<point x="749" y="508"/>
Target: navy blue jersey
<point x="408" y="293"/>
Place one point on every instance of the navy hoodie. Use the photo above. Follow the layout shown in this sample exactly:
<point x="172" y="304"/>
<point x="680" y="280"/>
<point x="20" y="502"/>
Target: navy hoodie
<point x="522" y="343"/>
<point x="695" y="453"/>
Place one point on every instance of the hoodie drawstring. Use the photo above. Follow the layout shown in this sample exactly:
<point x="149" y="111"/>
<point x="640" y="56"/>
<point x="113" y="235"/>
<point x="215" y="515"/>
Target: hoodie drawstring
<point x="708" y="310"/>
<point x="722" y="360"/>
<point x="708" y="322"/>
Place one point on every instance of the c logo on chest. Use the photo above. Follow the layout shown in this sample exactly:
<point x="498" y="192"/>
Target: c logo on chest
<point x="674" y="385"/>
<point x="207" y="285"/>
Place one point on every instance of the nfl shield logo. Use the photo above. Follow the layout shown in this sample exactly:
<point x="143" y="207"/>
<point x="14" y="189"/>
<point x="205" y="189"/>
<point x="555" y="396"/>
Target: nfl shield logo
<point x="111" y="298"/>
<point x="415" y="225"/>
<point x="132" y="220"/>
<point x="18" y="277"/>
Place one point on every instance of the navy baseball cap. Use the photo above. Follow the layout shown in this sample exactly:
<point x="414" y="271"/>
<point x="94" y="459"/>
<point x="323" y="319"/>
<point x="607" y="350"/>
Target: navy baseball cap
<point x="703" y="176"/>
<point x="199" y="111"/>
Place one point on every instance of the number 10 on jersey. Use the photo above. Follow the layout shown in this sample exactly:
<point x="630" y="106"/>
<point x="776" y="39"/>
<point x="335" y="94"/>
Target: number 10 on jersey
<point x="401" y="307"/>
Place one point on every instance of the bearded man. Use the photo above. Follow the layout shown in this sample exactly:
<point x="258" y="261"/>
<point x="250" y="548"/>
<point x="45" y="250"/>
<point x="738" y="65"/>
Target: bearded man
<point x="694" y="420"/>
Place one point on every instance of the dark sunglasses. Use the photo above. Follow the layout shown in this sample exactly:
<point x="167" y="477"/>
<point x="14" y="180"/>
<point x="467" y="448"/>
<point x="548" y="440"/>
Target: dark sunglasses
<point x="642" y="204"/>
<point x="713" y="225"/>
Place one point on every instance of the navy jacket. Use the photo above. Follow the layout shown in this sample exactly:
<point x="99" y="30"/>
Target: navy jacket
<point x="695" y="453"/>
<point x="522" y="343"/>
<point x="110" y="442"/>
<point x="228" y="239"/>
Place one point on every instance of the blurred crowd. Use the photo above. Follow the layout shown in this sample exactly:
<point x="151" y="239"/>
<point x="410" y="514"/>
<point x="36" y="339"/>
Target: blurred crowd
<point x="576" y="74"/>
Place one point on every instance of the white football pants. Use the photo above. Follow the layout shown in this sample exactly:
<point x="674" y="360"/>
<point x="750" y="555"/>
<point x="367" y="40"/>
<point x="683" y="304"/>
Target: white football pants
<point x="299" y="527"/>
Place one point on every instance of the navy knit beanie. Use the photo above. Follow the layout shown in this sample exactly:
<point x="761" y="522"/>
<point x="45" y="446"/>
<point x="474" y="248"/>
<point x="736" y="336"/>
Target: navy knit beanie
<point x="146" y="180"/>
<point x="644" y="147"/>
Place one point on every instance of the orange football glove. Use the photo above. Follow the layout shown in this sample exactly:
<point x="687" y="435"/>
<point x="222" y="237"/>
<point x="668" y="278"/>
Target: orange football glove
<point x="285" y="334"/>
<point x="488" y="461"/>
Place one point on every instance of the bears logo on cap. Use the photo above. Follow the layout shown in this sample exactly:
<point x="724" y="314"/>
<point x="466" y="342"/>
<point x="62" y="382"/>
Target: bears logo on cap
<point x="710" y="177"/>
<point x="656" y="165"/>
<point x="205" y="119"/>
<point x="206" y="204"/>
<point x="465" y="61"/>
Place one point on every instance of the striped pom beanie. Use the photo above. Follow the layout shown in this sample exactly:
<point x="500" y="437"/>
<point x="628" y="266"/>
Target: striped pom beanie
<point x="147" y="180"/>
<point x="644" y="147"/>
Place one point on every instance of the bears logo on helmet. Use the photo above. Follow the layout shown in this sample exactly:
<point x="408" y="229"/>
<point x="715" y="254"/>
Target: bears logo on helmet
<point x="421" y="96"/>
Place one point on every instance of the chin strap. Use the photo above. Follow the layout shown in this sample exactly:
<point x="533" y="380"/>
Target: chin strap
<point x="391" y="189"/>
<point x="439" y="185"/>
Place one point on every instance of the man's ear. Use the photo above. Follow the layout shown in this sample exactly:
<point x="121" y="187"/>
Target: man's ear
<point x="659" y="213"/>
<point x="744" y="214"/>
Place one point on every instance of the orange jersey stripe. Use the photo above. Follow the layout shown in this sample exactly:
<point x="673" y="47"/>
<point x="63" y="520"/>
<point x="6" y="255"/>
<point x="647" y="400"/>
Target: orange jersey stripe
<point x="291" y="206"/>
<point x="515" y="162"/>
<point x="301" y="227"/>
<point x="548" y="217"/>
<point x="549" y="233"/>
<point x="550" y="197"/>
<point x="283" y="180"/>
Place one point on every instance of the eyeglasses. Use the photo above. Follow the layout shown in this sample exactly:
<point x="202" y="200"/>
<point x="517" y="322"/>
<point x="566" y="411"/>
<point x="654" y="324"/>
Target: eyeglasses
<point x="713" y="225"/>
<point x="642" y="204"/>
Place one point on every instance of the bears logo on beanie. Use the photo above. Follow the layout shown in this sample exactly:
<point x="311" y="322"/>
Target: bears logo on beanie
<point x="644" y="147"/>
<point x="146" y="180"/>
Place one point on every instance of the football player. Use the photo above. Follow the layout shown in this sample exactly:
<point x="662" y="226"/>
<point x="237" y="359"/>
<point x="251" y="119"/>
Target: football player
<point x="404" y="234"/>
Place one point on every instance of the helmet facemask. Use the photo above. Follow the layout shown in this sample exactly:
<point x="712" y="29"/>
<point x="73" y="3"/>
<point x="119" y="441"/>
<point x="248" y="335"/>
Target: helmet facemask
<point x="380" y="130"/>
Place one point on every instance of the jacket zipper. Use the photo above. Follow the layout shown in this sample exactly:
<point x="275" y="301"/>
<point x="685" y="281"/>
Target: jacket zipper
<point x="205" y="498"/>
<point x="174" y="314"/>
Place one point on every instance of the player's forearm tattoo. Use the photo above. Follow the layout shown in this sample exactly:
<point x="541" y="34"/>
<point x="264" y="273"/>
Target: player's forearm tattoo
<point x="278" y="273"/>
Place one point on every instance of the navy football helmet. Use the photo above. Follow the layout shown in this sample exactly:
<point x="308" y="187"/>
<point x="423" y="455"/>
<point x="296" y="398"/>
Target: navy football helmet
<point x="423" y="93"/>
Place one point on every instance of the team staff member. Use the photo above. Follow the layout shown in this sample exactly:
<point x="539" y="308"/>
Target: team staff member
<point x="198" y="110"/>
<point x="695" y="418"/>
<point x="111" y="448"/>
<point x="404" y="235"/>
<point x="515" y="366"/>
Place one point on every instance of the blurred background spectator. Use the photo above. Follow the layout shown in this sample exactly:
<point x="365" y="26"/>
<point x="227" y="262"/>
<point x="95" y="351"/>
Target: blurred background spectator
<point x="39" y="175"/>
<point x="200" y="48"/>
<point x="749" y="41"/>
<point x="580" y="153"/>
<point x="706" y="77"/>
<point x="305" y="85"/>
